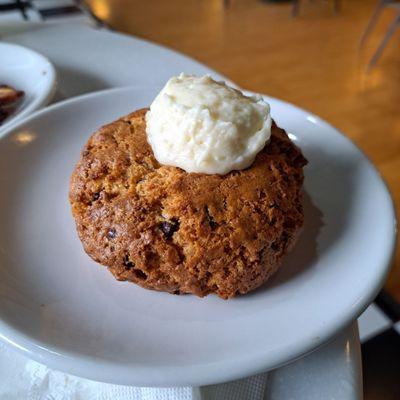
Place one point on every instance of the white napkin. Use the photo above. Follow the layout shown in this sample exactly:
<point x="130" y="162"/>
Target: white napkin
<point x="22" y="378"/>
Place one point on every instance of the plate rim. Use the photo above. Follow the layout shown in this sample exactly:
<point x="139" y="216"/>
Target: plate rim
<point x="198" y="374"/>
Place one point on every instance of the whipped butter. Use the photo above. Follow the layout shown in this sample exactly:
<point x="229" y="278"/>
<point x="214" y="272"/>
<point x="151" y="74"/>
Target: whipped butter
<point x="205" y="126"/>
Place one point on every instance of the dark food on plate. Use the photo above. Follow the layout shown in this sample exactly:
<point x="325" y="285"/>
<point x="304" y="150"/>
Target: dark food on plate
<point x="179" y="232"/>
<point x="9" y="100"/>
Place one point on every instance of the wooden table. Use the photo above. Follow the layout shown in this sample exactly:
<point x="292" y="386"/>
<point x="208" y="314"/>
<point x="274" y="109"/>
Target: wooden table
<point x="311" y="60"/>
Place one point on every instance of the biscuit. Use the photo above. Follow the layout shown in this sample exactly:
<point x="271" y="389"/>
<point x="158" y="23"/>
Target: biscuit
<point x="165" y="229"/>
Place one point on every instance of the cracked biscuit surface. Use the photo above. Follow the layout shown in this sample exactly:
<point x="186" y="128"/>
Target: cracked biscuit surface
<point x="169" y="230"/>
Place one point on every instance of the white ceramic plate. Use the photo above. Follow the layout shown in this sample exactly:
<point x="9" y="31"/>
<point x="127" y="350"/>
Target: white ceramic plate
<point x="26" y="70"/>
<point x="60" y="308"/>
<point x="66" y="45"/>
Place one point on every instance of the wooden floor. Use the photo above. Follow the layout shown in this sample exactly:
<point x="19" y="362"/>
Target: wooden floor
<point x="312" y="61"/>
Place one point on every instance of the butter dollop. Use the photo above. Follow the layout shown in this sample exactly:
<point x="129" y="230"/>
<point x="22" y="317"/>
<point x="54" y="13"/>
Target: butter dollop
<point x="204" y="126"/>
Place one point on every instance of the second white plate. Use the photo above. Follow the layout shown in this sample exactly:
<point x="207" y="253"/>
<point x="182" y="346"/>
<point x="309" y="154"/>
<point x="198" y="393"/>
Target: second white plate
<point x="27" y="70"/>
<point x="61" y="308"/>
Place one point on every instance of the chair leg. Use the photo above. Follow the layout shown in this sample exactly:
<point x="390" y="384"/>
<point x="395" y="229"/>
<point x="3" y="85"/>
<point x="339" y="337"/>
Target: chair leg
<point x="372" y="21"/>
<point x="337" y="5"/>
<point x="383" y="44"/>
<point x="295" y="8"/>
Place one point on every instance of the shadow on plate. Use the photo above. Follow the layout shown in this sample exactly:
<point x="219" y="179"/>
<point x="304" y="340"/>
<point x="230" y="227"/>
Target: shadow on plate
<point x="74" y="82"/>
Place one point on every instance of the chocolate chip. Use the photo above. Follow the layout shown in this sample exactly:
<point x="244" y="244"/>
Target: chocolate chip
<point x="212" y="224"/>
<point x="128" y="263"/>
<point x="210" y="219"/>
<point x="139" y="274"/>
<point x="289" y="223"/>
<point x="169" y="227"/>
<point x="111" y="233"/>
<point x="274" y="246"/>
<point x="177" y="292"/>
<point x="96" y="196"/>
<point x="272" y="221"/>
<point x="262" y="194"/>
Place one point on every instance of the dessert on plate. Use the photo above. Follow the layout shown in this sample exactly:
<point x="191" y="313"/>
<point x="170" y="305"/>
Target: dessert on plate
<point x="201" y="193"/>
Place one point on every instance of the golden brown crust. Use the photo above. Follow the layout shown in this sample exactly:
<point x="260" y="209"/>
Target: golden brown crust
<point x="170" y="230"/>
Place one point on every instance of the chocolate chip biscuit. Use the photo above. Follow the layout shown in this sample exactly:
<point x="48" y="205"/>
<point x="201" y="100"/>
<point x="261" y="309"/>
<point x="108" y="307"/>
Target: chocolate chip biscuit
<point x="165" y="229"/>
